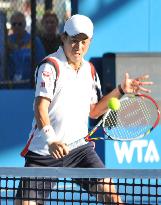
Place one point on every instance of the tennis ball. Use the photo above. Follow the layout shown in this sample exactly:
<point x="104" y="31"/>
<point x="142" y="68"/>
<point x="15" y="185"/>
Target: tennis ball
<point x="114" y="104"/>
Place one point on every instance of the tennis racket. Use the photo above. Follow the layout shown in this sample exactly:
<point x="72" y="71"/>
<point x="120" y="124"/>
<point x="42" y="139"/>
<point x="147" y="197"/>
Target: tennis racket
<point x="137" y="116"/>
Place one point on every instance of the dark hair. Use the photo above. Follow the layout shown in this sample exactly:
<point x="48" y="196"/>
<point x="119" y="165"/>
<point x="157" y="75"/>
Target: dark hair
<point x="49" y="13"/>
<point x="19" y="14"/>
<point x="65" y="34"/>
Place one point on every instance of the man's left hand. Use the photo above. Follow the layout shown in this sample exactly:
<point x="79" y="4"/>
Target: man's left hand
<point x="136" y="85"/>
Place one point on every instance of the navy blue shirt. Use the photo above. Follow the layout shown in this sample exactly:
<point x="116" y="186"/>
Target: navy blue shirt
<point x="20" y="56"/>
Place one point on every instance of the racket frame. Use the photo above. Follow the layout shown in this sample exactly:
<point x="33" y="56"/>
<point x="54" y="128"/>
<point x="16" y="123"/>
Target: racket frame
<point x="88" y="137"/>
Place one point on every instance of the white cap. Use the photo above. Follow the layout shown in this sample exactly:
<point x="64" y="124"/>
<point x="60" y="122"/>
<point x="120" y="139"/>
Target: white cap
<point x="79" y="24"/>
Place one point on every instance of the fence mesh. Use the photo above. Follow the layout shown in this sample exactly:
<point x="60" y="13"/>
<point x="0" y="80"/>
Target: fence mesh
<point x="33" y="11"/>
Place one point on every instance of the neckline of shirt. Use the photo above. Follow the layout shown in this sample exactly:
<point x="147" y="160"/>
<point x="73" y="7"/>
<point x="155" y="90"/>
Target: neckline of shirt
<point x="64" y="60"/>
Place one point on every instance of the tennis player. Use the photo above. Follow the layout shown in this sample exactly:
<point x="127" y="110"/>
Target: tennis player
<point x="66" y="95"/>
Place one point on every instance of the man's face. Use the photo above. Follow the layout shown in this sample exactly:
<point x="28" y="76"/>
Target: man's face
<point x="50" y="24"/>
<point x="18" y="24"/>
<point x="75" y="47"/>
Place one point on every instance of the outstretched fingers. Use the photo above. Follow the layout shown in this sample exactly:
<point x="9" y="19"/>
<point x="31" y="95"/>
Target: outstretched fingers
<point x="136" y="85"/>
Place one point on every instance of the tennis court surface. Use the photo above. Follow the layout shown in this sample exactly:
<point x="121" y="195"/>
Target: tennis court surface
<point x="133" y="186"/>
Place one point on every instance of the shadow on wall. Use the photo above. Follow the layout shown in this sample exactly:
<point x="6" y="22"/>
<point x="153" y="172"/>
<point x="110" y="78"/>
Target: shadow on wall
<point x="108" y="8"/>
<point x="105" y="67"/>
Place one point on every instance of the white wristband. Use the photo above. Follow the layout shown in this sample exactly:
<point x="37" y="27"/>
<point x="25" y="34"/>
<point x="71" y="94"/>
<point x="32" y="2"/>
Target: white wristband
<point x="48" y="133"/>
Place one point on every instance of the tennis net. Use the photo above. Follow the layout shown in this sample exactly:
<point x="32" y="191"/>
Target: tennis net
<point x="60" y="186"/>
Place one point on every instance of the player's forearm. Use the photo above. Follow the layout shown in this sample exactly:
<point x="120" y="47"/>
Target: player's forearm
<point x="101" y="107"/>
<point x="42" y="118"/>
<point x="41" y="112"/>
<point x="43" y="121"/>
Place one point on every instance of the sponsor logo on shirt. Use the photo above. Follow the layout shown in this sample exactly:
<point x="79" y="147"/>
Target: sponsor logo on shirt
<point x="42" y="85"/>
<point x="47" y="74"/>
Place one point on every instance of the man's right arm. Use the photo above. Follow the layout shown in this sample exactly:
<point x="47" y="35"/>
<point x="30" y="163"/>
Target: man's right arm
<point x="41" y="111"/>
<point x="56" y="148"/>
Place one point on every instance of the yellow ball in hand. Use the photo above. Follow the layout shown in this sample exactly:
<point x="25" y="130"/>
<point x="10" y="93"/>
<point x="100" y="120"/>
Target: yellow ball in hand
<point x="114" y="104"/>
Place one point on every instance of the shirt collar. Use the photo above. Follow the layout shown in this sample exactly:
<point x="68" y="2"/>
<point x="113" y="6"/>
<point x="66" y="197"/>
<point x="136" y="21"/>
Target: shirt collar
<point x="63" y="58"/>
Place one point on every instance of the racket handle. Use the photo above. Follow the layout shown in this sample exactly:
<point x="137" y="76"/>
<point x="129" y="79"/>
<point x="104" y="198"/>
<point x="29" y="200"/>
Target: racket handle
<point x="77" y="143"/>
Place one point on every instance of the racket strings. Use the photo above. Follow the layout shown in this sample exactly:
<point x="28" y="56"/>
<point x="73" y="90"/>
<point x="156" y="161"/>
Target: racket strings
<point x="111" y="120"/>
<point x="134" y="118"/>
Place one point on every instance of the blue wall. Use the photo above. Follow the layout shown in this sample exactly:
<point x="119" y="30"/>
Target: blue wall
<point x="142" y="154"/>
<point x="15" y="123"/>
<point x="123" y="25"/>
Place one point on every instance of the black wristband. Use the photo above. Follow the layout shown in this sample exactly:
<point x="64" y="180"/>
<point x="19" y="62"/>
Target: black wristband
<point x="121" y="90"/>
